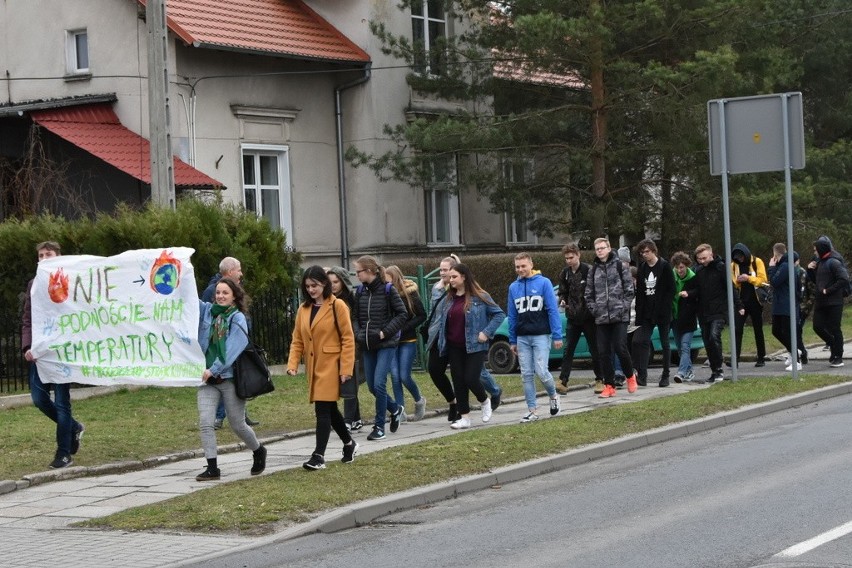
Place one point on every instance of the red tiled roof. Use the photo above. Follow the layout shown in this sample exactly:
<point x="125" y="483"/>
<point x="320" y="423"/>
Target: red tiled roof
<point x="280" y="27"/>
<point x="97" y="130"/>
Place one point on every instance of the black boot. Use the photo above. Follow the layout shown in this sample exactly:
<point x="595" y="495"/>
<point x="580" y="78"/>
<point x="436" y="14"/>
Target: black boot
<point x="259" y="461"/>
<point x="211" y="473"/>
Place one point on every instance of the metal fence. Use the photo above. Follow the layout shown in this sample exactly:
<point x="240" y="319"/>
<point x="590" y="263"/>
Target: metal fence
<point x="272" y="319"/>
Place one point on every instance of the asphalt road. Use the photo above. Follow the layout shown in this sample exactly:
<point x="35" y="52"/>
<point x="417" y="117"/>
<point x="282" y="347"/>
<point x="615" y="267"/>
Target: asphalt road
<point x="734" y="497"/>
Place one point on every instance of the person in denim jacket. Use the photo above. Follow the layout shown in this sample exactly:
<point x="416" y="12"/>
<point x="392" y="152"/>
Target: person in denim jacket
<point x="223" y="335"/>
<point x="468" y="318"/>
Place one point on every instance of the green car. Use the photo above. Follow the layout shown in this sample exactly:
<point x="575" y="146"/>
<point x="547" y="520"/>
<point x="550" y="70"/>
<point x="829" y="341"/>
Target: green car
<point x="501" y="360"/>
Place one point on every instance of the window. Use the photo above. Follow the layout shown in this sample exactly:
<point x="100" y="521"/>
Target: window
<point x="77" y="52"/>
<point x="517" y="231"/>
<point x="442" y="203"/>
<point x="266" y="185"/>
<point x="428" y="29"/>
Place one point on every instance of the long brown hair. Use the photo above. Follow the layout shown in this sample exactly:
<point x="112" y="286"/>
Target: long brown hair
<point x="397" y="280"/>
<point x="371" y="264"/>
<point x="241" y="299"/>
<point x="471" y="286"/>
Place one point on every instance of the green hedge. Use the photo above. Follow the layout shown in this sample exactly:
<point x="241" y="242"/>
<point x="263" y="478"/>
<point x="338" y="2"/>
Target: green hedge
<point x="212" y="229"/>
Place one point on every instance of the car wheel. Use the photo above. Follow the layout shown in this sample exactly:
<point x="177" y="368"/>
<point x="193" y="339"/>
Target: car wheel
<point x="501" y="360"/>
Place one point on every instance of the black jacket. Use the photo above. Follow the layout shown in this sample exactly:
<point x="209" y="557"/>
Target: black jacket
<point x="377" y="308"/>
<point x="655" y="289"/>
<point x="713" y="292"/>
<point x="572" y="289"/>
<point x="830" y="275"/>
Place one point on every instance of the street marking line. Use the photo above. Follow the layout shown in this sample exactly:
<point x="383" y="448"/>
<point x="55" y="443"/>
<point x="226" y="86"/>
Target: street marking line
<point x="819" y="540"/>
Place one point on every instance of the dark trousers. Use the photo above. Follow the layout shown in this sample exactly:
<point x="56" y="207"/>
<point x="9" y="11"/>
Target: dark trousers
<point x="781" y="332"/>
<point x="827" y="326"/>
<point x="754" y="310"/>
<point x="572" y="337"/>
<point x="351" y="406"/>
<point x="642" y="349"/>
<point x="328" y="417"/>
<point x="465" y="369"/>
<point x="711" y="333"/>
<point x="612" y="338"/>
<point x="438" y="373"/>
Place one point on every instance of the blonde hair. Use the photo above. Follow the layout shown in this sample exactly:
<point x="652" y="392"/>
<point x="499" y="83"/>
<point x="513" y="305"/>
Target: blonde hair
<point x="371" y="264"/>
<point x="397" y="280"/>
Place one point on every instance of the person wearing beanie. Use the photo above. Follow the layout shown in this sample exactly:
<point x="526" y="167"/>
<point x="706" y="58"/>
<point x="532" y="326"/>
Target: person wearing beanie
<point x="828" y="271"/>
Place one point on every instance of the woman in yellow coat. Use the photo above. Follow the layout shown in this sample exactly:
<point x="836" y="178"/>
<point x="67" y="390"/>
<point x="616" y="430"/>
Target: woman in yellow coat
<point x="323" y="338"/>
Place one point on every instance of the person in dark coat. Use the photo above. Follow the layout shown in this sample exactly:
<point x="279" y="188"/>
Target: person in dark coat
<point x="779" y="277"/>
<point x="749" y="273"/>
<point x="712" y="292"/>
<point x="655" y="289"/>
<point x="684" y="313"/>
<point x="828" y="271"/>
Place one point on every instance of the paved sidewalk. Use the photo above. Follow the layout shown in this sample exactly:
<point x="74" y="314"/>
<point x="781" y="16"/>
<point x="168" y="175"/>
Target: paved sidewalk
<point x="42" y="513"/>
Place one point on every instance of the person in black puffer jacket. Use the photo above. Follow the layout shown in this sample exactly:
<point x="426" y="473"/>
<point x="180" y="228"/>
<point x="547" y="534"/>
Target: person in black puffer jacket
<point x="828" y="271"/>
<point x="378" y="316"/>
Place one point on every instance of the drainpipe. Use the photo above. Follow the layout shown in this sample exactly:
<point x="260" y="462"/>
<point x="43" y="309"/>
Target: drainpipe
<point x="341" y="182"/>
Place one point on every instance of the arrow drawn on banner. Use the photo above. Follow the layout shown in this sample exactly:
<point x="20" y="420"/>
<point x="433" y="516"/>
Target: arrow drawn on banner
<point x="141" y="280"/>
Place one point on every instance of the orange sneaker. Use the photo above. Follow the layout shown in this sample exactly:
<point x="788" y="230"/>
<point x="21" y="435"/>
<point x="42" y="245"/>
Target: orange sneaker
<point x="608" y="392"/>
<point x="631" y="384"/>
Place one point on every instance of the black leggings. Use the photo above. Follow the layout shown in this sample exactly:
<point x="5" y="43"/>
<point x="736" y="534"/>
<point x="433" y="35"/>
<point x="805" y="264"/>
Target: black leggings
<point x="465" y="368"/>
<point x="328" y="417"/>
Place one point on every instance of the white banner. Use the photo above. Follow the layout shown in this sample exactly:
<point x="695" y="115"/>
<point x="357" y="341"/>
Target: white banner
<point x="125" y="319"/>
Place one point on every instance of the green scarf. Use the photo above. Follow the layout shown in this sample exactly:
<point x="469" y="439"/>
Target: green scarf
<point x="679" y="285"/>
<point x="218" y="332"/>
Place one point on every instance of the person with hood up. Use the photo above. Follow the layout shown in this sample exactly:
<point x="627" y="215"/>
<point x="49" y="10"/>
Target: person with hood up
<point x="533" y="323"/>
<point x="609" y="293"/>
<point x="749" y="273"/>
<point x="828" y="271"/>
<point x="684" y="311"/>
<point x="779" y="277"/>
<point x="712" y="292"/>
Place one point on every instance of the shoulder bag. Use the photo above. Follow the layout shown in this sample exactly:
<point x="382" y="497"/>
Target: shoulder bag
<point x="348" y="389"/>
<point x="251" y="371"/>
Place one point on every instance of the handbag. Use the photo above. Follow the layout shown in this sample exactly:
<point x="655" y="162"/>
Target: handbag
<point x="348" y="389"/>
<point x="764" y="294"/>
<point x="251" y="371"/>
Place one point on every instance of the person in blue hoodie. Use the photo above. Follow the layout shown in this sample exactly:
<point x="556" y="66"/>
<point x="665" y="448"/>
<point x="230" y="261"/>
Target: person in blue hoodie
<point x="533" y="322"/>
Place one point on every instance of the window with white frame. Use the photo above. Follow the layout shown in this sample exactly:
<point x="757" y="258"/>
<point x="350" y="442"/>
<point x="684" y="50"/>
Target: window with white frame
<point x="442" y="203"/>
<point x="266" y="185"/>
<point x="77" y="52"/>
<point x="517" y="227"/>
<point x="428" y="28"/>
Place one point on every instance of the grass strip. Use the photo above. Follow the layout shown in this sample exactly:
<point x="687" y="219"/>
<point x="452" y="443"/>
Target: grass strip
<point x="269" y="503"/>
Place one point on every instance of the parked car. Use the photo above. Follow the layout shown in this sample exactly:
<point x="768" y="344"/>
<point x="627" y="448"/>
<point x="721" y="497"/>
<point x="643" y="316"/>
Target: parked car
<point x="501" y="360"/>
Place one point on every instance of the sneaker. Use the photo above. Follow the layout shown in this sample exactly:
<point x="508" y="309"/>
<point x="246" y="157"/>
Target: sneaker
<point x="689" y="378"/>
<point x="316" y="462"/>
<point x="618" y="381"/>
<point x="760" y="363"/>
<point x="61" y="461"/>
<point x="376" y="434"/>
<point x="349" y="451"/>
<point x="420" y="408"/>
<point x="396" y="418"/>
<point x="209" y="474"/>
<point x="609" y="391"/>
<point x="461" y="423"/>
<point x="554" y="406"/>
<point x="452" y="413"/>
<point x="259" y="463"/>
<point x="678" y="378"/>
<point x="78" y="437"/>
<point x="789" y="366"/>
<point x="529" y="417"/>
<point x="787" y="359"/>
<point x="631" y="384"/>
<point x="836" y="362"/>
<point x="217" y="424"/>
<point x="486" y="410"/>
<point x="348" y="425"/>
<point x="716" y="376"/>
<point x="664" y="381"/>
<point x="599" y="386"/>
<point x="495" y="400"/>
<point x="356" y="425"/>
<point x="804" y="358"/>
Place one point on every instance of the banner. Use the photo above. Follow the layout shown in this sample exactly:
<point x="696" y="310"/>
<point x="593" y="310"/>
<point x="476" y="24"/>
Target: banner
<point x="125" y="319"/>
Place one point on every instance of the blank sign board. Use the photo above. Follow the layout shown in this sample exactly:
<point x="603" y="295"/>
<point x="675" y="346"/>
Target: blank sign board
<point x="754" y="133"/>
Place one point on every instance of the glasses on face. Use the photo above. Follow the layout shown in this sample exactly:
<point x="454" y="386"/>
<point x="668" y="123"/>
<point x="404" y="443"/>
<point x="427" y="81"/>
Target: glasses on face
<point x="601" y="247"/>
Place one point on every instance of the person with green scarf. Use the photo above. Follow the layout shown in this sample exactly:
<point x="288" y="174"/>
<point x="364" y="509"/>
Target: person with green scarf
<point x="223" y="335"/>
<point x="684" y="312"/>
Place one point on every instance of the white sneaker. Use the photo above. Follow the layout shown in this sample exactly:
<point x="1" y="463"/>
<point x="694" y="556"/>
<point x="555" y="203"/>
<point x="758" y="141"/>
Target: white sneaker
<point x="461" y="423"/>
<point x="787" y="360"/>
<point x="529" y="417"/>
<point x="555" y="406"/>
<point x="789" y="366"/>
<point x="486" y="410"/>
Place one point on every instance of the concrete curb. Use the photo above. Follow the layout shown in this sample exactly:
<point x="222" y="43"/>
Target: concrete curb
<point x="362" y="513"/>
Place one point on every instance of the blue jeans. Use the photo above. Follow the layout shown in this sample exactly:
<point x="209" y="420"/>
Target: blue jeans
<point x="403" y="361"/>
<point x="684" y="343"/>
<point x="488" y="382"/>
<point x="533" y="355"/>
<point x="377" y="365"/>
<point x="58" y="410"/>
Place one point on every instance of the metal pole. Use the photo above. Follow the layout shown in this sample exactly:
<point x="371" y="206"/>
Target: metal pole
<point x="726" y="217"/>
<point x="791" y="269"/>
<point x="162" y="162"/>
